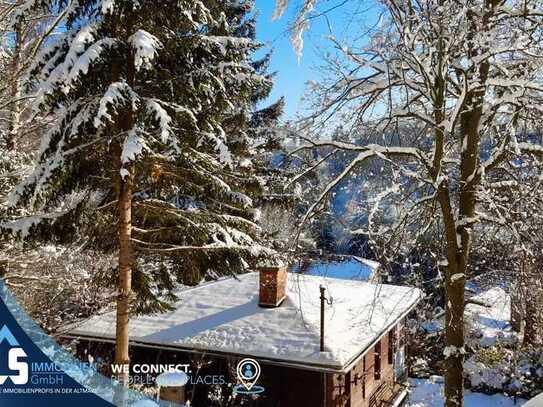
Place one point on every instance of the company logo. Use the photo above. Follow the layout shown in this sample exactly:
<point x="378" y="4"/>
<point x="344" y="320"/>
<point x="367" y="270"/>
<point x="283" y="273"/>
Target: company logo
<point x="248" y="371"/>
<point x="14" y="364"/>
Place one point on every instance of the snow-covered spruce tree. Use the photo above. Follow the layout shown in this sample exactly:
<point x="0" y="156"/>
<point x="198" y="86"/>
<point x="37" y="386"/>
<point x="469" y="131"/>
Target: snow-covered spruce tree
<point x="199" y="211"/>
<point x="467" y="77"/>
<point x="154" y="101"/>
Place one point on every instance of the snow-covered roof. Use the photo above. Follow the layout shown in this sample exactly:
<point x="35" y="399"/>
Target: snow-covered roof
<point x="535" y="402"/>
<point x="224" y="317"/>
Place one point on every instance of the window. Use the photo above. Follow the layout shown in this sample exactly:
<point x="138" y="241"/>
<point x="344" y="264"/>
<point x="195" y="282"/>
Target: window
<point x="377" y="365"/>
<point x="391" y="345"/>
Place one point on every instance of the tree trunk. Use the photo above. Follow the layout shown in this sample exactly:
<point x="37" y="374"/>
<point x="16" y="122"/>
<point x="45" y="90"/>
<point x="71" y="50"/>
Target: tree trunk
<point x="532" y="288"/>
<point x="517" y="310"/>
<point x="125" y="185"/>
<point x="455" y="281"/>
<point x="454" y="332"/>
<point x="455" y="272"/>
<point x="122" y="357"/>
<point x="459" y="246"/>
<point x="518" y="297"/>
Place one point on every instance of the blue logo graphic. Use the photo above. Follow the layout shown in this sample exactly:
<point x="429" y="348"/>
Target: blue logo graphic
<point x="36" y="371"/>
<point x="6" y="335"/>
<point x="14" y="354"/>
<point x="27" y="375"/>
<point x="248" y="371"/>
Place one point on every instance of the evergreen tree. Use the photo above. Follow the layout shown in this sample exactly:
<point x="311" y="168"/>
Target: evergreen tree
<point x="155" y="104"/>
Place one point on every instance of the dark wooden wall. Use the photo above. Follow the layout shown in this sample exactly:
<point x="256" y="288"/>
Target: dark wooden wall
<point x="285" y="387"/>
<point x="360" y="387"/>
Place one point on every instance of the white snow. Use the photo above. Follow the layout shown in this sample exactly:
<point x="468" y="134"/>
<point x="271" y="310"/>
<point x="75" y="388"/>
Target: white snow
<point x="486" y="324"/>
<point x="116" y="94"/>
<point x="76" y="60"/>
<point x="162" y="117"/>
<point x="133" y="147"/>
<point x="429" y="393"/>
<point x="22" y="225"/>
<point x="82" y="64"/>
<point x="451" y="351"/>
<point x="301" y="25"/>
<point x="225" y="316"/>
<point x="144" y="403"/>
<point x="280" y="8"/>
<point x="172" y="379"/>
<point x="225" y="157"/>
<point x="124" y="173"/>
<point x="490" y="323"/>
<point x="489" y="327"/>
<point x="146" y="46"/>
<point x="535" y="402"/>
<point x="457" y="276"/>
<point x="108" y="6"/>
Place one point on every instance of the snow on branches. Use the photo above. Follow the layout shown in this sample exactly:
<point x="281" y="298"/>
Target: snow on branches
<point x="146" y="46"/>
<point x="158" y="104"/>
<point x="440" y="110"/>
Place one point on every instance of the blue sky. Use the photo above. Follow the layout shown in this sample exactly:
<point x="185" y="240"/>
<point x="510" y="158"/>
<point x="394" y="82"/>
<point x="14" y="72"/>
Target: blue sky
<point x="292" y="74"/>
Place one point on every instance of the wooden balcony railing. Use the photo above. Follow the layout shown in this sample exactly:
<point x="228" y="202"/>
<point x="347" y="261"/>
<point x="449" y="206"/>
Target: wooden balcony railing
<point x="381" y="395"/>
<point x="385" y="394"/>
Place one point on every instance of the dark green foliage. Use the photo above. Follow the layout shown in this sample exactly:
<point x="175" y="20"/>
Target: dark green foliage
<point x="194" y="104"/>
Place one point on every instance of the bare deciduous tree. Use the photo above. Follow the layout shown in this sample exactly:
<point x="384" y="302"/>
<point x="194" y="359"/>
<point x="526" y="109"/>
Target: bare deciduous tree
<point x="466" y="76"/>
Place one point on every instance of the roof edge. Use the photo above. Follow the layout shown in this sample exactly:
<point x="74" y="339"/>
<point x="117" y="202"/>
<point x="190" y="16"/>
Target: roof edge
<point x="272" y="361"/>
<point x="347" y="367"/>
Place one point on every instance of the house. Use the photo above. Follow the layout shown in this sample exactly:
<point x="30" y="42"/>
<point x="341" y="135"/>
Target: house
<point x="537" y="401"/>
<point x="319" y="341"/>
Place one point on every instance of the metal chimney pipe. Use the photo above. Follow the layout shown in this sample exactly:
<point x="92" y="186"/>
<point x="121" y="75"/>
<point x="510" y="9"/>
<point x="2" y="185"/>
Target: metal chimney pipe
<point x="324" y="301"/>
<point x="323" y="298"/>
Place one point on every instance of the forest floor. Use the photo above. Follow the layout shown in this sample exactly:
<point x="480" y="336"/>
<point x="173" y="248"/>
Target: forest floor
<point x="488" y="323"/>
<point x="429" y="393"/>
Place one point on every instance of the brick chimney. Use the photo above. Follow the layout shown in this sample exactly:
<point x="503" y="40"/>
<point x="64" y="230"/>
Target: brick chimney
<point x="272" y="286"/>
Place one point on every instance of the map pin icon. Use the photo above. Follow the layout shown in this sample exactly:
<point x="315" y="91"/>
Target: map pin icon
<point x="248" y="371"/>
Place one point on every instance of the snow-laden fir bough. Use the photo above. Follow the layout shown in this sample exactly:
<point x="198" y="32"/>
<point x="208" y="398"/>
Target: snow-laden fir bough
<point x="153" y="105"/>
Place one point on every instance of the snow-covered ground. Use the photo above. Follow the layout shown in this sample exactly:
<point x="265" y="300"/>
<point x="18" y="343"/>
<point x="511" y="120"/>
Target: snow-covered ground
<point x="487" y="317"/>
<point x="429" y="393"/>
<point x="346" y="269"/>
<point x="491" y="367"/>
<point x="489" y="323"/>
